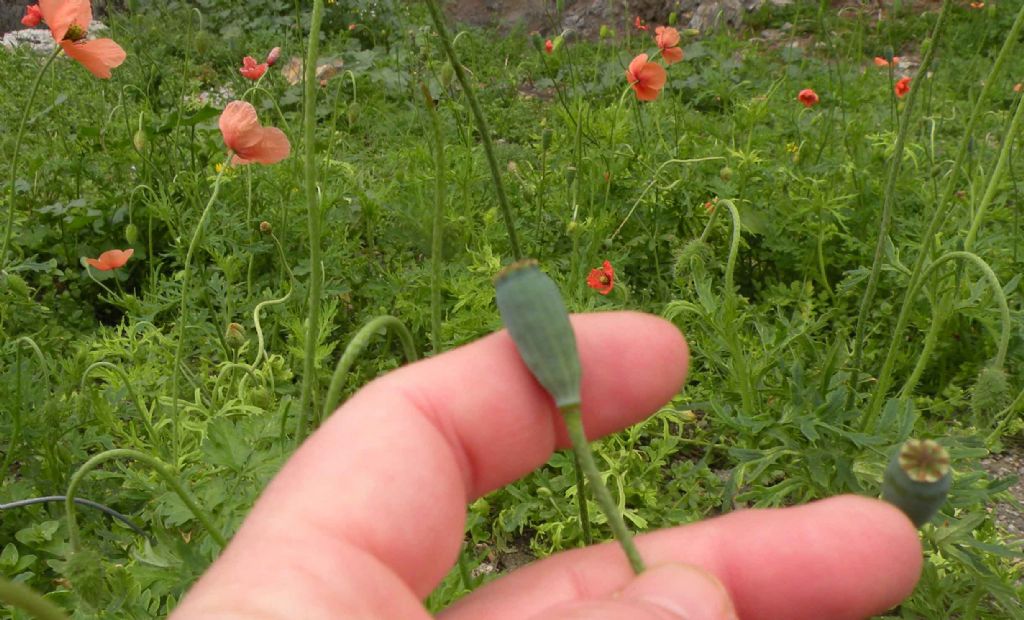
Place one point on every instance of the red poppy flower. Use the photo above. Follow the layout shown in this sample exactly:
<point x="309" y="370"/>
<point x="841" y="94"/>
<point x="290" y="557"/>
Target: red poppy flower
<point x="549" y="46"/>
<point x="902" y="87"/>
<point x="273" y="56"/>
<point x="69" y="21"/>
<point x="808" y="97"/>
<point x="640" y="25"/>
<point x="110" y="260"/>
<point x="646" y="78"/>
<point x="32" y="16"/>
<point x="602" y="279"/>
<point x="249" y="141"/>
<point x="251" y="69"/>
<point x="667" y="39"/>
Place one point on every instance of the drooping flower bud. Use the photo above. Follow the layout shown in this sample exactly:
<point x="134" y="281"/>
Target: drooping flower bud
<point x="532" y="309"/>
<point x="917" y="479"/>
<point x="234" y="336"/>
<point x="265" y="227"/>
<point x="273" y="56"/>
<point x="131" y="233"/>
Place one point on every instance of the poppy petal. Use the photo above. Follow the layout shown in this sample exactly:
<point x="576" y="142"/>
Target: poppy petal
<point x="60" y="14"/>
<point x="272" y="148"/>
<point x="99" y="56"/>
<point x="239" y="126"/>
<point x="672" y="55"/>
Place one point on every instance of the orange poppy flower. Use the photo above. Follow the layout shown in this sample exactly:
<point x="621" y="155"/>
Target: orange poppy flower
<point x="902" y="87"/>
<point x="882" y="62"/>
<point x="69" y="21"/>
<point x="977" y="5"/>
<point x="247" y="139"/>
<point x="808" y="97"/>
<point x="32" y="16"/>
<point x="549" y="46"/>
<point x="667" y="39"/>
<point x="1018" y="87"/>
<point x="602" y="279"/>
<point x="646" y="78"/>
<point x="640" y="25"/>
<point x="251" y="69"/>
<point x="110" y="260"/>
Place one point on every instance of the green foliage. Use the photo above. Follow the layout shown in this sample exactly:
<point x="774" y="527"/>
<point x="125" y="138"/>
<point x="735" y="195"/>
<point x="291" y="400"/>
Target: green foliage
<point x="766" y="285"/>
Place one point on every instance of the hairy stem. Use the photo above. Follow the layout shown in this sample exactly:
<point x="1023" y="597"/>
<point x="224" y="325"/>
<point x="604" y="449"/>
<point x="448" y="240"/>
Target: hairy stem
<point x="23" y="597"/>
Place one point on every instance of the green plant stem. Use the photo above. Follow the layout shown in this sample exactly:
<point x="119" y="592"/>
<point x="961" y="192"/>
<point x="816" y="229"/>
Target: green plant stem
<point x="481" y="125"/>
<point x="144" y="412"/>
<point x="81" y="501"/>
<point x="261" y="351"/>
<point x="887" y="204"/>
<point x="581" y="448"/>
<point x="581" y="500"/>
<point x="9" y="228"/>
<point x="316" y="270"/>
<point x="183" y="310"/>
<point x="996" y="177"/>
<point x="25" y="598"/>
<point x="161" y="468"/>
<point x="437" y="237"/>
<point x="356" y="346"/>
<point x="885" y="377"/>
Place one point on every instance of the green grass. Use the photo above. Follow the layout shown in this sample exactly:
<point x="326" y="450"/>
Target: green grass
<point x="771" y="414"/>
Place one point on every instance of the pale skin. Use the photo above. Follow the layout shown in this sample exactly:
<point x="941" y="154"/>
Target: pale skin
<point x="367" y="517"/>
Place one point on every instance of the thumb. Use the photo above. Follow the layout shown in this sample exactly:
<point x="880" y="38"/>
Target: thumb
<point x="667" y="592"/>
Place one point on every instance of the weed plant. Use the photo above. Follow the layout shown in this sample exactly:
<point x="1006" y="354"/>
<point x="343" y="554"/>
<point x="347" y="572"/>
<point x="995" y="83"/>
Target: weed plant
<point x="749" y="219"/>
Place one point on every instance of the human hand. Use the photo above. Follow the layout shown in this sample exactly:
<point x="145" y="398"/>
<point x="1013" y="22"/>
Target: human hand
<point x="368" y="516"/>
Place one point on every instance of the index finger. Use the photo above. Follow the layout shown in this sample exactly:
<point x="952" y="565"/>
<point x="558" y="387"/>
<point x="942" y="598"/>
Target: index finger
<point x="375" y="500"/>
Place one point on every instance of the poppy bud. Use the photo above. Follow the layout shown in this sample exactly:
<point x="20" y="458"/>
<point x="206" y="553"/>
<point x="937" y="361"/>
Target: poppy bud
<point x="545" y="138"/>
<point x="990" y="391"/>
<point x="725" y="173"/>
<point x="352" y="115"/>
<point x="234" y="336"/>
<point x="691" y="32"/>
<point x="672" y="18"/>
<point x="605" y="32"/>
<point x="131" y="233"/>
<point x="139" y="139"/>
<point x="532" y="309"/>
<point x="265" y="227"/>
<point x="447" y="74"/>
<point x="273" y="56"/>
<point x="570" y="175"/>
<point x="917" y="479"/>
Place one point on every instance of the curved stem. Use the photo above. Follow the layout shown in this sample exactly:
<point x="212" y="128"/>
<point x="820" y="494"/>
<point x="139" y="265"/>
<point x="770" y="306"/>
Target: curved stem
<point x="887" y="205"/>
<point x="261" y="351"/>
<point x="144" y="412"/>
<point x="885" y="376"/>
<point x="356" y="346"/>
<point x="481" y="125"/>
<point x="162" y="470"/>
<point x="23" y="597"/>
<point x="316" y="268"/>
<point x="943" y="207"/>
<point x="183" y="310"/>
<point x="21" y="503"/>
<point x="17" y="151"/>
<point x="581" y="448"/>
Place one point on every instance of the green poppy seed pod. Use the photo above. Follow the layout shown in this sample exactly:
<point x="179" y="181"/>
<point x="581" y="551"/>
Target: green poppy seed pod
<point x="545" y="138"/>
<point x="532" y="309"/>
<point x="673" y="18"/>
<point x="725" y="173"/>
<point x="131" y="233"/>
<point x="447" y="75"/>
<point x="917" y="479"/>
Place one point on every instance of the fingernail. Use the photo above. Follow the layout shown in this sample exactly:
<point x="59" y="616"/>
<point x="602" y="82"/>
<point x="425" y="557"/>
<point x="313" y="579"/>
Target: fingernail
<point x="686" y="592"/>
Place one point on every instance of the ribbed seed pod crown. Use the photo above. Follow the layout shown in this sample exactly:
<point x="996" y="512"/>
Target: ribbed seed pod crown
<point x="917" y="479"/>
<point x="532" y="309"/>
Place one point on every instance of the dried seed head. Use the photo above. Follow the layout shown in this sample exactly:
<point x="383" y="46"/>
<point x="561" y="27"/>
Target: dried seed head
<point x="917" y="479"/>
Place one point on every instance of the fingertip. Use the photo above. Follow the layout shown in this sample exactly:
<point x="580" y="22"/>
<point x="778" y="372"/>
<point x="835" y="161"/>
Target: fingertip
<point x="681" y="591"/>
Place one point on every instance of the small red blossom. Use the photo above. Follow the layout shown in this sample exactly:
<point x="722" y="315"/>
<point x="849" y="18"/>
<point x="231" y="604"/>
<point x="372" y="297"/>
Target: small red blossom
<point x="640" y="25"/>
<point x="902" y="87"/>
<point x="882" y="62"/>
<point x="808" y="97"/>
<point x="1018" y="87"/>
<point x="33" y="15"/>
<point x="667" y="39"/>
<point x="549" y="46"/>
<point x="273" y="56"/>
<point x="710" y="205"/>
<point x="977" y="5"/>
<point x="646" y="78"/>
<point x="353" y="26"/>
<point x="602" y="279"/>
<point x="110" y="260"/>
<point x="251" y="69"/>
